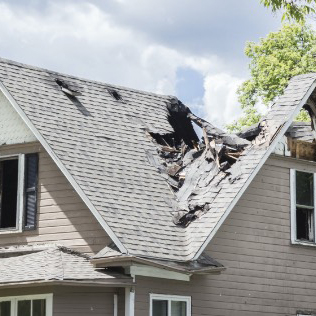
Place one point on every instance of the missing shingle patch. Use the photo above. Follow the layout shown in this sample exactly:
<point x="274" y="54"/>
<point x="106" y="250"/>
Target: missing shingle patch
<point x="66" y="89"/>
<point x="115" y="94"/>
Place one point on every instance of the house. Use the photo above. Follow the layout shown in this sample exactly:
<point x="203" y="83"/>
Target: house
<point x="112" y="205"/>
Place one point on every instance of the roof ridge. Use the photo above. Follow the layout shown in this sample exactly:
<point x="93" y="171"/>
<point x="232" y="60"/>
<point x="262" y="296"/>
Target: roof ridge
<point x="75" y="77"/>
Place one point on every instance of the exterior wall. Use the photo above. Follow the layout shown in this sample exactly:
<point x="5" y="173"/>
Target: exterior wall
<point x="73" y="300"/>
<point x="265" y="275"/>
<point x="62" y="217"/>
<point x="12" y="128"/>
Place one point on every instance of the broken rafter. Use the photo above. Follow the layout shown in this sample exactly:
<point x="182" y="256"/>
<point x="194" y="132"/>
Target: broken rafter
<point x="193" y="170"/>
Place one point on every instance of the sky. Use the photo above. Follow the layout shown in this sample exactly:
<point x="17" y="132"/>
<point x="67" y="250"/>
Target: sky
<point x="193" y="49"/>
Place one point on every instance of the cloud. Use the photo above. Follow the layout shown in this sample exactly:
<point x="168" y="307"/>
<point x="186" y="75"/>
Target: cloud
<point x="220" y="98"/>
<point x="148" y="45"/>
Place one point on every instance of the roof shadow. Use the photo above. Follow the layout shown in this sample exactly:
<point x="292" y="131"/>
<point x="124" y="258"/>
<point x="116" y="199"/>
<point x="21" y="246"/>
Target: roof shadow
<point x="79" y="105"/>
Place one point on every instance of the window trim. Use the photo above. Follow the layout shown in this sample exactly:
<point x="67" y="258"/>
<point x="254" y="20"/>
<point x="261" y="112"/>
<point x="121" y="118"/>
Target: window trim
<point x="20" y="194"/>
<point x="293" y="208"/>
<point x="170" y="298"/>
<point x="15" y="299"/>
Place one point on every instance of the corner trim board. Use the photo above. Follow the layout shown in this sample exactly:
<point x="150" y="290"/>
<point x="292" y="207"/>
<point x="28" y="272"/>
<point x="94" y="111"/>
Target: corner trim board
<point x="129" y="301"/>
<point x="66" y="173"/>
<point x="256" y="170"/>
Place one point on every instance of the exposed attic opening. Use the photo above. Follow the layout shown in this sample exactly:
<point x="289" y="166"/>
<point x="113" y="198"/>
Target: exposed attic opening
<point x="299" y="141"/>
<point x="66" y="89"/>
<point x="115" y="94"/>
<point x="189" y="164"/>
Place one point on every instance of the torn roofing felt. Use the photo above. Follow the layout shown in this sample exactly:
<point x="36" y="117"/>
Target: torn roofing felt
<point x="137" y="159"/>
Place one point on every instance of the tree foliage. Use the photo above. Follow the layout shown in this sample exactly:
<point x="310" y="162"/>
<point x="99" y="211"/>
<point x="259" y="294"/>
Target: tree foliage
<point x="293" y="9"/>
<point x="274" y="60"/>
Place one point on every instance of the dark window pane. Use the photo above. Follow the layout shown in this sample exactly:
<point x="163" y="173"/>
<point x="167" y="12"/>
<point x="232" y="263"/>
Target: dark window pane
<point x="5" y="308"/>
<point x="8" y="192"/>
<point x="178" y="308"/>
<point x="39" y="307"/>
<point x="304" y="188"/>
<point x="160" y="308"/>
<point x="304" y="224"/>
<point x="24" y="308"/>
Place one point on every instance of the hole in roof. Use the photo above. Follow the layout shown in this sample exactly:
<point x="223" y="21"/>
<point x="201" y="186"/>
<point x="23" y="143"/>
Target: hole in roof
<point x="66" y="89"/>
<point x="115" y="94"/>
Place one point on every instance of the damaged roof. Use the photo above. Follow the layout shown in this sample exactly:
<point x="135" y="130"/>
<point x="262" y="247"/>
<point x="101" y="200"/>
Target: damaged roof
<point x="55" y="264"/>
<point x="136" y="161"/>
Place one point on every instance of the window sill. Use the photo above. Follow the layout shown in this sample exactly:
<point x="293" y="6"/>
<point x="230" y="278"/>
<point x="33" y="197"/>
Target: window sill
<point x="303" y="243"/>
<point x="10" y="231"/>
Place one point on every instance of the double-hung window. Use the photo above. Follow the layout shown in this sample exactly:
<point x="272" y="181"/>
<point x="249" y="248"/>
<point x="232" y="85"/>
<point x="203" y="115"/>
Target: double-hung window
<point x="302" y="207"/>
<point x="170" y="305"/>
<point x="18" y="189"/>
<point x="34" y="305"/>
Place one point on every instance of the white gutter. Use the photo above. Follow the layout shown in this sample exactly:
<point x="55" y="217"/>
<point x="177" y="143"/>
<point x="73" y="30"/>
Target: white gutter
<point x="61" y="166"/>
<point x="256" y="170"/>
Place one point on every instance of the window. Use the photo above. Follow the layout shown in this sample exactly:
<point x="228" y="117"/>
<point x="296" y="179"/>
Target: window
<point x="34" y="305"/>
<point x="302" y="206"/>
<point x="169" y="305"/>
<point x="18" y="190"/>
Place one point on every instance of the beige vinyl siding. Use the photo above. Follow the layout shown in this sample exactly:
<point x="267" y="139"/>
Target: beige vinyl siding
<point x="62" y="216"/>
<point x="265" y="275"/>
<point x="73" y="300"/>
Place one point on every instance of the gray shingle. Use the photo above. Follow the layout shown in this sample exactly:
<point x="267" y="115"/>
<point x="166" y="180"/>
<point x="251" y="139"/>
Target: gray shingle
<point x="103" y="144"/>
<point x="55" y="264"/>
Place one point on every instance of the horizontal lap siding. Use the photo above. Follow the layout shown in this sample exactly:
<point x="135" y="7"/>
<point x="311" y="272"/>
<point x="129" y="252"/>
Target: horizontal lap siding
<point x="265" y="274"/>
<point x="74" y="300"/>
<point x="62" y="217"/>
<point x="84" y="302"/>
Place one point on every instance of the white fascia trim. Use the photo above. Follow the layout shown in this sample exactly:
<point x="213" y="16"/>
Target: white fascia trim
<point x="66" y="173"/>
<point x="154" y="272"/>
<point x="293" y="204"/>
<point x="254" y="173"/>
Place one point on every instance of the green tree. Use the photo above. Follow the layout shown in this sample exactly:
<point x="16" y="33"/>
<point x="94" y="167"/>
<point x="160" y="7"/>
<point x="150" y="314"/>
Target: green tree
<point x="274" y="60"/>
<point x="293" y="9"/>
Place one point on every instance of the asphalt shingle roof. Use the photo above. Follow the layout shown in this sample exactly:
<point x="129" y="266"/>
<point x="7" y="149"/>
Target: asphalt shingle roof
<point x="103" y="144"/>
<point x="55" y="264"/>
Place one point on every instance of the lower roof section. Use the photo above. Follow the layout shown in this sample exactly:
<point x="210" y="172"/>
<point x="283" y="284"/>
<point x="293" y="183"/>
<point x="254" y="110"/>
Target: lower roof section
<point x="54" y="266"/>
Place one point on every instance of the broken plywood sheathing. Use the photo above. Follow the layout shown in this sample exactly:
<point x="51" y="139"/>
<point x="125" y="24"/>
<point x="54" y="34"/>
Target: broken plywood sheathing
<point x="189" y="165"/>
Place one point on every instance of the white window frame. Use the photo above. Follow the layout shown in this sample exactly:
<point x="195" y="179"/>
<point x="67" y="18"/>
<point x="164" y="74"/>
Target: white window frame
<point x="293" y="209"/>
<point x="170" y="298"/>
<point x="20" y="198"/>
<point x="15" y="299"/>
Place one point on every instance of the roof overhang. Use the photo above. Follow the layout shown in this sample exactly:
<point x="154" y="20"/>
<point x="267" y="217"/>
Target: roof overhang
<point x="134" y="266"/>
<point x="126" y="282"/>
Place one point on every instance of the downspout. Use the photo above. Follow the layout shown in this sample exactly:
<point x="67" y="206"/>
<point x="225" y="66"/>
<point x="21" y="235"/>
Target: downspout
<point x="129" y="301"/>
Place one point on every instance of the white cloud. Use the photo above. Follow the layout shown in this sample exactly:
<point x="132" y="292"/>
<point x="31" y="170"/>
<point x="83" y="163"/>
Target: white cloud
<point x="220" y="98"/>
<point x="80" y="38"/>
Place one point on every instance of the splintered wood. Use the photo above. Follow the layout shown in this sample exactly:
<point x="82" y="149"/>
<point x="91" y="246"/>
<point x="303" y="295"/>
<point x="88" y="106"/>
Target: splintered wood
<point x="302" y="149"/>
